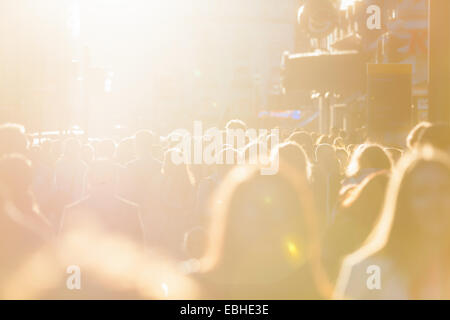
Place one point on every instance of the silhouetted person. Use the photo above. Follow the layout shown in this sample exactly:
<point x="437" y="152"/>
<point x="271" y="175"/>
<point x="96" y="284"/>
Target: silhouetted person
<point x="69" y="183"/>
<point x="23" y="229"/>
<point x="141" y="183"/>
<point x="415" y="133"/>
<point x="87" y="154"/>
<point x="326" y="181"/>
<point x="305" y="141"/>
<point x="125" y="151"/>
<point x="295" y="155"/>
<point x="178" y="196"/>
<point x="410" y="244"/>
<point x="436" y="135"/>
<point x="103" y="207"/>
<point x="260" y="241"/>
<point x="13" y="139"/>
<point x="105" y="150"/>
<point x="365" y="160"/>
<point x="355" y="217"/>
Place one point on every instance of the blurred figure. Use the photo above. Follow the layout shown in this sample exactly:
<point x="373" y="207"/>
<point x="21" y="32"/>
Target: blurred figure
<point x="410" y="243"/>
<point x="23" y="229"/>
<point x="103" y="207"/>
<point x="324" y="139"/>
<point x="194" y="243"/>
<point x="343" y="158"/>
<point x="125" y="151"/>
<point x="326" y="180"/>
<point x="262" y="238"/>
<point x="105" y="150"/>
<point x="305" y="141"/>
<point x="436" y="135"/>
<point x="415" y="133"/>
<point x="232" y="128"/>
<point x="16" y="178"/>
<point x="56" y="150"/>
<point x="229" y="157"/>
<point x="338" y="142"/>
<point x="295" y="155"/>
<point x="365" y="160"/>
<point x="355" y="217"/>
<point x="43" y="178"/>
<point x="178" y="195"/>
<point x="13" y="139"/>
<point x="87" y="154"/>
<point x="141" y="184"/>
<point x="69" y="178"/>
<point x="235" y="125"/>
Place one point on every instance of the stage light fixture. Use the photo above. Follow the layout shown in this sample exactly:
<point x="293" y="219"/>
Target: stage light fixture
<point x="318" y="18"/>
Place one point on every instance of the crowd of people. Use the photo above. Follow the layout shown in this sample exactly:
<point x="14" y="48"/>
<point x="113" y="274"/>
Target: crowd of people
<point x="138" y="225"/>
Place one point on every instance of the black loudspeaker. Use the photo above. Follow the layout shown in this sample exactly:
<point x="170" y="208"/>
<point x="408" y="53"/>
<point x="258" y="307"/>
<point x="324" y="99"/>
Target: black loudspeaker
<point x="339" y="72"/>
<point x="389" y="89"/>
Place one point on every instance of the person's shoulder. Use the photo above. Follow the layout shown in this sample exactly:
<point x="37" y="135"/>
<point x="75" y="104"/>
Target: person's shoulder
<point x="132" y="164"/>
<point x="127" y="203"/>
<point x="77" y="204"/>
<point x="73" y="212"/>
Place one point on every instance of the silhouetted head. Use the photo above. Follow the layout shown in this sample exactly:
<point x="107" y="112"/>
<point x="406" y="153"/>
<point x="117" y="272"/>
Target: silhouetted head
<point x="16" y="177"/>
<point x="145" y="141"/>
<point x="87" y="153"/>
<point x="324" y="139"/>
<point x="422" y="205"/>
<point x="368" y="156"/>
<point x="305" y="141"/>
<point x="415" y="217"/>
<point x="101" y="176"/>
<point x="362" y="206"/>
<point x="295" y="155"/>
<point x="72" y="148"/>
<point x="415" y="133"/>
<point x="436" y="135"/>
<point x="13" y="139"/>
<point x="105" y="150"/>
<point x="326" y="158"/>
<point x="235" y="125"/>
<point x="174" y="167"/>
<point x="343" y="157"/>
<point x="125" y="151"/>
<point x="262" y="230"/>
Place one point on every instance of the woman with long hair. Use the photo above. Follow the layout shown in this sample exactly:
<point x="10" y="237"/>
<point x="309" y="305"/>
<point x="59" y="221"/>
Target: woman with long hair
<point x="407" y="254"/>
<point x="262" y="240"/>
<point x="357" y="212"/>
